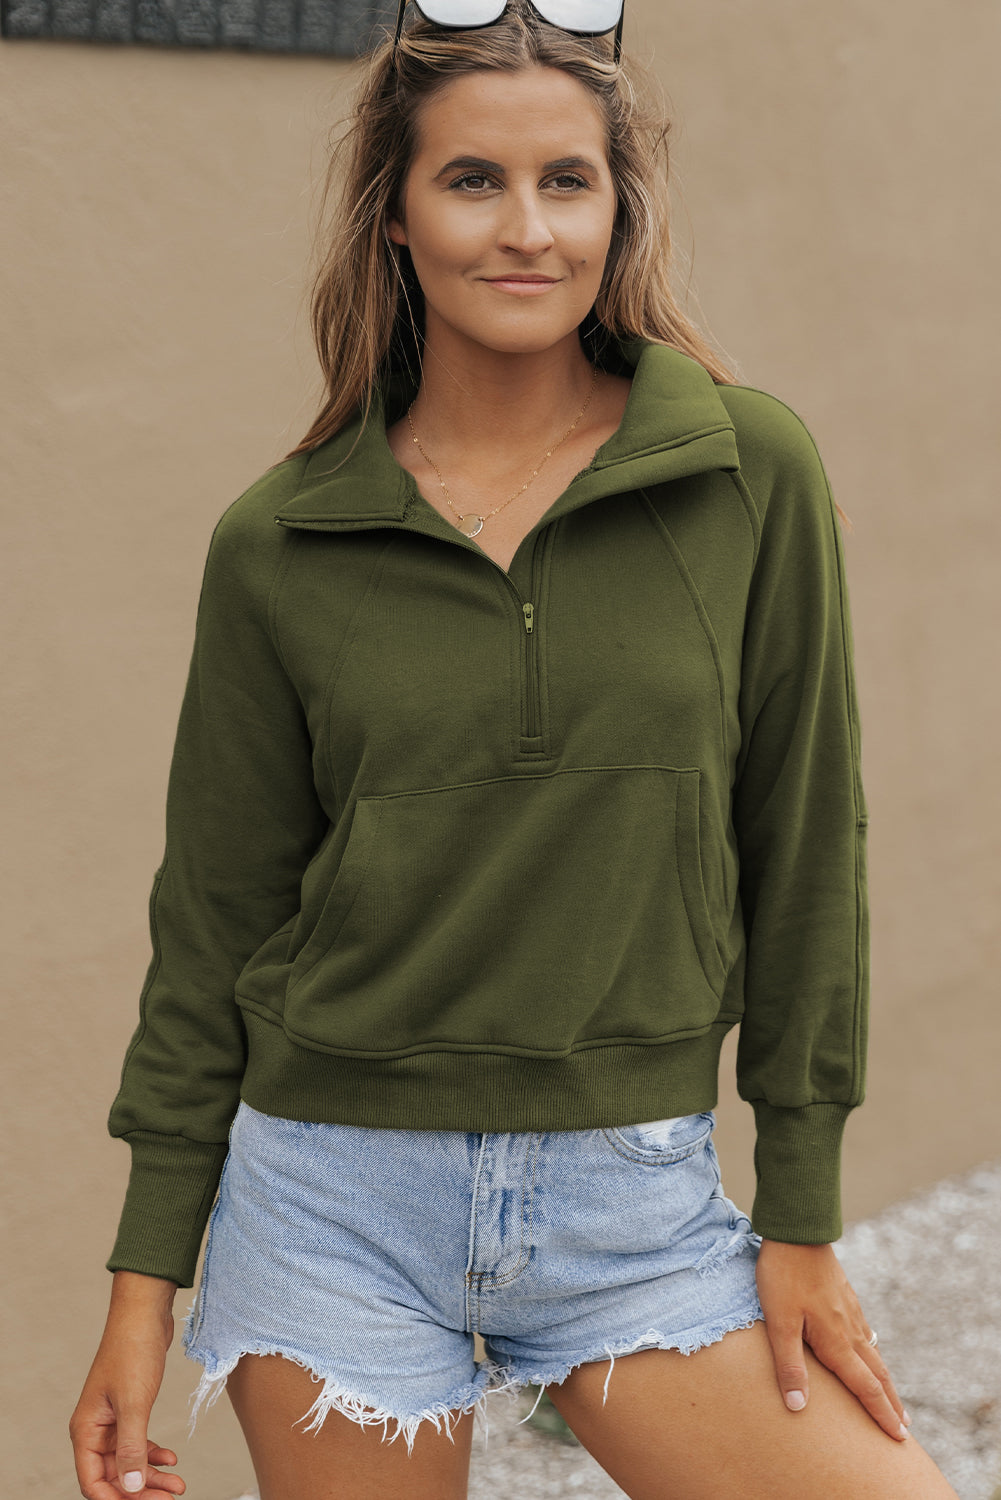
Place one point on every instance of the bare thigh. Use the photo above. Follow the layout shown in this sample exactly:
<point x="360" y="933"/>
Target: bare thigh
<point x="342" y="1461"/>
<point x="712" y="1424"/>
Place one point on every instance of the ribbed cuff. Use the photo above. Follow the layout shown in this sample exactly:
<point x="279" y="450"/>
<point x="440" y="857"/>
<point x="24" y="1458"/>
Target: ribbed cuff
<point x="171" y="1187"/>
<point x="797" y="1158"/>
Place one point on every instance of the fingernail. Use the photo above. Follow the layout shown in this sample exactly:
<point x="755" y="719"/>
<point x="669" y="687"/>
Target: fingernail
<point x="903" y="1431"/>
<point x="907" y="1419"/>
<point x="133" y="1481"/>
<point x="795" y="1400"/>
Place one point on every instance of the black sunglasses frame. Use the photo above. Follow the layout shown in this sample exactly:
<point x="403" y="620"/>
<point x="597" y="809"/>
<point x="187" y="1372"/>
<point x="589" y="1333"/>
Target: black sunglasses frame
<point x="484" y="24"/>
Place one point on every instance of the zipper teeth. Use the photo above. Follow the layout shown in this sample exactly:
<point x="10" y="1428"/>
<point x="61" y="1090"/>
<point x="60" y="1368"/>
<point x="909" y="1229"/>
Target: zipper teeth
<point x="531" y="687"/>
<point x="533" y="705"/>
<point x="531" y="724"/>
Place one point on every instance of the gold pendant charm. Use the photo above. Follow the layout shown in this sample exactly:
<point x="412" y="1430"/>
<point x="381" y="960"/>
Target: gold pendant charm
<point x="471" y="525"/>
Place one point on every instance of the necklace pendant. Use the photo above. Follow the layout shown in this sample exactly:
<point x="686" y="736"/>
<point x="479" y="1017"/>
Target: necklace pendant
<point x="471" y="525"/>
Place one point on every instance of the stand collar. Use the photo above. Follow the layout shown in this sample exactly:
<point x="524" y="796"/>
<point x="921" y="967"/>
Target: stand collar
<point x="675" y="425"/>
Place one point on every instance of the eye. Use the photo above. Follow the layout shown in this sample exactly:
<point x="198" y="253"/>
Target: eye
<point x="471" y="182"/>
<point x="568" y="182"/>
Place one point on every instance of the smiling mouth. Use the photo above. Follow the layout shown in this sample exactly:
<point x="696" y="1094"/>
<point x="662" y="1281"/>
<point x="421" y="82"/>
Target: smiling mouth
<point x="522" y="286"/>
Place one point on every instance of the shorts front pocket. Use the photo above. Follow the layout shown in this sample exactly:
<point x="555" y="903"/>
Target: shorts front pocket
<point x="662" y="1142"/>
<point x="522" y="913"/>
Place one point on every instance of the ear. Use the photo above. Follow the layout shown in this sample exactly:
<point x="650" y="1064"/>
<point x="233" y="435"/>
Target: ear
<point x="395" y="232"/>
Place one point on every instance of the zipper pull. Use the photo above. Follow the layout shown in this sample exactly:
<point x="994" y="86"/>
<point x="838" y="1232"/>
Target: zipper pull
<point x="528" y="610"/>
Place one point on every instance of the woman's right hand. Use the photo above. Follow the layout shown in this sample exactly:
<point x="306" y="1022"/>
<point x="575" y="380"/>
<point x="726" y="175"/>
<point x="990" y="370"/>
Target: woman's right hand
<point x="113" y="1454"/>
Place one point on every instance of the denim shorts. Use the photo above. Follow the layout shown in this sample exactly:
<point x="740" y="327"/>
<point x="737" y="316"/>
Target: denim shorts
<point x="372" y="1256"/>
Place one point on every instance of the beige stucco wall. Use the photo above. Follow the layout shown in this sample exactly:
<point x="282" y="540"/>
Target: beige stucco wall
<point x="840" y="169"/>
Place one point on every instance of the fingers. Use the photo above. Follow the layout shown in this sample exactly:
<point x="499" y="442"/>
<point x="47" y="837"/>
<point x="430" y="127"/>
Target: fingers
<point x="806" y="1299"/>
<point x="131" y="1449"/>
<point x="156" y="1484"/>
<point x="112" y="1452"/>
<point x="875" y="1391"/>
<point x="100" y="1481"/>
<point x="170" y="1484"/>
<point x="790" y="1364"/>
<point x="862" y="1370"/>
<point x="90" y="1470"/>
<point x="874" y="1360"/>
<point x="164" y="1484"/>
<point x="94" y="1462"/>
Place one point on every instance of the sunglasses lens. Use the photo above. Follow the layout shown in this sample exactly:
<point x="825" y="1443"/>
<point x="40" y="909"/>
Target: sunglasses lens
<point x="595" y="16"/>
<point x="460" y="13"/>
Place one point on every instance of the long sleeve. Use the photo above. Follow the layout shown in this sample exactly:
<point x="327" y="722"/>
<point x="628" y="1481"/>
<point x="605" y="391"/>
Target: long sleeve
<point x="800" y="818"/>
<point x="243" y="819"/>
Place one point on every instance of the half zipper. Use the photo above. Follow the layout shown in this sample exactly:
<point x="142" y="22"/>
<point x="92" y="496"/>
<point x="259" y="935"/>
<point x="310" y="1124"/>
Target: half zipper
<point x="532" y="726"/>
<point x="533" y="707"/>
<point x="530" y="729"/>
<point x="531" y="734"/>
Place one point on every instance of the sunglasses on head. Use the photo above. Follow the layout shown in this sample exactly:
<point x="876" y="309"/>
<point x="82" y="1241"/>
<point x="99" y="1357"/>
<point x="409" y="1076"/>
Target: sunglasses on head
<point x="582" y="17"/>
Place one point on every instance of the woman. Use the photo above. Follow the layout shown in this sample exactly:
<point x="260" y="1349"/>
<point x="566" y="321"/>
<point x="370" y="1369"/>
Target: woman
<point x="519" y="761"/>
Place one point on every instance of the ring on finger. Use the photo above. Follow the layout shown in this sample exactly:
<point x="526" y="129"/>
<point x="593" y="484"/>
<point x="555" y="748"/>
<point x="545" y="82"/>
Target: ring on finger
<point x="873" y="1339"/>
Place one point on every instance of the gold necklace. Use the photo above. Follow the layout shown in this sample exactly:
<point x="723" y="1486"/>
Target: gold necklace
<point x="472" y="524"/>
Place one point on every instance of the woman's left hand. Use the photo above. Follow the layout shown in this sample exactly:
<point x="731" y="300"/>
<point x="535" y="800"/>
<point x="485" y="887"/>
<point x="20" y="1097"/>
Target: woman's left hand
<point x="807" y="1299"/>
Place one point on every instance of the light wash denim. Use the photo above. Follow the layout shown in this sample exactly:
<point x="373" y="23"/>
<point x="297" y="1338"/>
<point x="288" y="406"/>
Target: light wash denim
<point x="372" y="1256"/>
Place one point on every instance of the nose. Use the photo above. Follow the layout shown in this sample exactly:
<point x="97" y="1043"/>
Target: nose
<point x="524" y="224"/>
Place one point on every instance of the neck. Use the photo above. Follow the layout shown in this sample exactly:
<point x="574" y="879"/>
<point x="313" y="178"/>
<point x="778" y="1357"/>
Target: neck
<point x="499" y="401"/>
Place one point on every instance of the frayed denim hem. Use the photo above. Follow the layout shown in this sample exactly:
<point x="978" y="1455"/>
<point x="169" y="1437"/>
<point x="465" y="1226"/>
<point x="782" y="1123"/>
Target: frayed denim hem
<point x="334" y="1397"/>
<point x="740" y="1242"/>
<point x="685" y="1343"/>
<point x="492" y="1378"/>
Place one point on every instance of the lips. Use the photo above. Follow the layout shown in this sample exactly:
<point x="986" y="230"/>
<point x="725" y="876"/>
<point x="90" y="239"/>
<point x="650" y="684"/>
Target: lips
<point x="522" y="286"/>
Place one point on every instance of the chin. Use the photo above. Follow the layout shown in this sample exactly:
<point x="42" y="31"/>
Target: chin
<point x="525" y="339"/>
<point x="523" y="345"/>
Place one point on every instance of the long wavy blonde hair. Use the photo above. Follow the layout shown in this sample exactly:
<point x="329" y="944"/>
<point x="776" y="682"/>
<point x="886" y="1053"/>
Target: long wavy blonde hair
<point x="367" y="308"/>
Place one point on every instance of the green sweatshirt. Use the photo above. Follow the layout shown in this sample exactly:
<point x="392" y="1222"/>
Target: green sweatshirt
<point x="454" y="848"/>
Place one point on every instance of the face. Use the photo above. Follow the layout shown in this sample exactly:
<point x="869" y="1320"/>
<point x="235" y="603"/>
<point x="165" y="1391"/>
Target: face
<point x="508" y="210"/>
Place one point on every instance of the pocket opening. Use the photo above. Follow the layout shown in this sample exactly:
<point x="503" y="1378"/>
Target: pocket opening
<point x="538" y="911"/>
<point x="663" y="1142"/>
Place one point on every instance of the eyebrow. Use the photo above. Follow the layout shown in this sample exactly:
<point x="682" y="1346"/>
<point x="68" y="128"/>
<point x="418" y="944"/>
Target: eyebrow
<point x="481" y="164"/>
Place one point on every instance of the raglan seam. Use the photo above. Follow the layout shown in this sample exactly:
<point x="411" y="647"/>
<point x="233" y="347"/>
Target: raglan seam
<point x="277" y="581"/>
<point x="701" y="613"/>
<point x="749" y="503"/>
<point x="350" y="633"/>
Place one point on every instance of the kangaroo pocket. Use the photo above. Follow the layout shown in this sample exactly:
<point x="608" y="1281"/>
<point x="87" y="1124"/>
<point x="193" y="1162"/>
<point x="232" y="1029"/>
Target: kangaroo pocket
<point x="530" y="913"/>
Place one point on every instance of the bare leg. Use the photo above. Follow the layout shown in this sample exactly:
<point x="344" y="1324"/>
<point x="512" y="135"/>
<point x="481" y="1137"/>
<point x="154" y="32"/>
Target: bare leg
<point x="342" y="1461"/>
<point x="710" y="1424"/>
